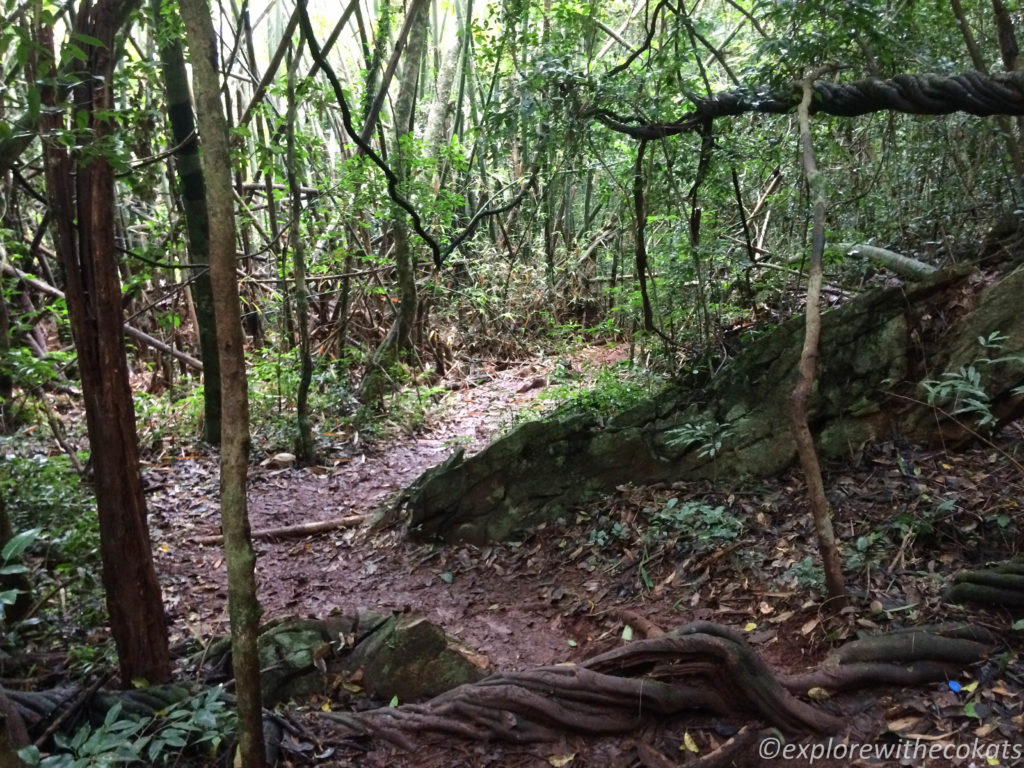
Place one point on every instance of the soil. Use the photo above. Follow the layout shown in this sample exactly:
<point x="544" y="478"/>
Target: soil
<point x="741" y="556"/>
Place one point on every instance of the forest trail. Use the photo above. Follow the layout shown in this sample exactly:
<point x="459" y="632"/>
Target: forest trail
<point x="349" y="568"/>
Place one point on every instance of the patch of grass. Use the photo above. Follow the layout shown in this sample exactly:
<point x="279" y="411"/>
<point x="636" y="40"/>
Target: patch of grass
<point x="614" y="390"/>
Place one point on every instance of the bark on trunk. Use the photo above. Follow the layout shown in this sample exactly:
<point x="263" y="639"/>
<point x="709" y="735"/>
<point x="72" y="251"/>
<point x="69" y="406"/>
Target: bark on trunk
<point x="243" y="606"/>
<point x="801" y="429"/>
<point x="193" y="200"/>
<point x="399" y="339"/>
<point x="82" y="190"/>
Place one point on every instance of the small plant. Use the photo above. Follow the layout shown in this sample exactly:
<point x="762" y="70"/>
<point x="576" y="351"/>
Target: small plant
<point x="113" y="741"/>
<point x="45" y="492"/>
<point x="863" y="551"/>
<point x="806" y="573"/>
<point x="962" y="392"/>
<point x="708" y="436"/>
<point x="11" y="565"/>
<point x="695" y="519"/>
<point x="607" y="532"/>
<point x="612" y="392"/>
<point x="196" y="724"/>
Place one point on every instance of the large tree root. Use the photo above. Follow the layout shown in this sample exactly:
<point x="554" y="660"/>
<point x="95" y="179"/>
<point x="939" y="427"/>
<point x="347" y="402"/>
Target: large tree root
<point x="1003" y="585"/>
<point x="698" y="668"/>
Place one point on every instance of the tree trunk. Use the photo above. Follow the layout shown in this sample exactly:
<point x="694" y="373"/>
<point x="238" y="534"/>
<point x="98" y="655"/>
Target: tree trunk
<point x="6" y="379"/>
<point x="808" y="365"/>
<point x="305" y="448"/>
<point x="81" y="189"/>
<point x="193" y="197"/>
<point x="434" y="135"/>
<point x="243" y="606"/>
<point x="869" y="384"/>
<point x="399" y="339"/>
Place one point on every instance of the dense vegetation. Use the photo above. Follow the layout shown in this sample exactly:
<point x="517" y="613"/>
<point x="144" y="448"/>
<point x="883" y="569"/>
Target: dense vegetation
<point x="418" y="194"/>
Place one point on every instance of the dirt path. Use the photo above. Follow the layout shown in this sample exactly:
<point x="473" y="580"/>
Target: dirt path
<point x="502" y="601"/>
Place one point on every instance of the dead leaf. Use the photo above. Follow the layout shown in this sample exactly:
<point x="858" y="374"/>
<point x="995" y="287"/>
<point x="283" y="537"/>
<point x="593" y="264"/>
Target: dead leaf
<point x="557" y="761"/>
<point x="903" y="724"/>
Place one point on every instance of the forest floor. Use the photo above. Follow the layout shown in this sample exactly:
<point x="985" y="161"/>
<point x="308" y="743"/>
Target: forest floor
<point x="740" y="556"/>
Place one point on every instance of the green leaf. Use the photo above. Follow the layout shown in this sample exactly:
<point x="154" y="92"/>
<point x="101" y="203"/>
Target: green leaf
<point x="112" y="714"/>
<point x="88" y="39"/>
<point x="30" y="755"/>
<point x="174" y="738"/>
<point x="646" y="578"/>
<point x="18" y="543"/>
<point x="970" y="710"/>
<point x="75" y="52"/>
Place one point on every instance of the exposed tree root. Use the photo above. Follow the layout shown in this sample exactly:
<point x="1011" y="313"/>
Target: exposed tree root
<point x="701" y="667"/>
<point x="996" y="586"/>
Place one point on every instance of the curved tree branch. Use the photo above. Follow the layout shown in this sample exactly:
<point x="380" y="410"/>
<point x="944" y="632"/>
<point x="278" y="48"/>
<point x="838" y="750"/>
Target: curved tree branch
<point x="926" y="94"/>
<point x="439" y="253"/>
<point x="346" y="117"/>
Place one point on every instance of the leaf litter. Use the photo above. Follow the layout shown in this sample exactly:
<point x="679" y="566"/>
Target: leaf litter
<point x="638" y="562"/>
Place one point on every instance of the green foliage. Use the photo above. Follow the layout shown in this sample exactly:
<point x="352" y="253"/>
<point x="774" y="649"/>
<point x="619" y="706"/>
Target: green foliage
<point x="693" y="525"/>
<point x="702" y="523"/>
<point x="44" y="494"/>
<point x="707" y="436"/>
<point x="11" y="565"/>
<point x="158" y="417"/>
<point x="201" y="723"/>
<point x="273" y="388"/>
<point x="613" y="390"/>
<point x="962" y="392"/>
<point x="807" y="573"/>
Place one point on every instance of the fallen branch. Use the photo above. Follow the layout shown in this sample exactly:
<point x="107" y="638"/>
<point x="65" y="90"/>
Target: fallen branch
<point x="293" y="531"/>
<point x="904" y="266"/>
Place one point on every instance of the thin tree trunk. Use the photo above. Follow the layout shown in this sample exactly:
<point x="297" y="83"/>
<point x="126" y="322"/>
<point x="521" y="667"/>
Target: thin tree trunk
<point x="412" y="28"/>
<point x="640" y="209"/>
<point x="807" y="370"/>
<point x="82" y="191"/>
<point x="434" y="134"/>
<point x="1005" y="126"/>
<point x="243" y="606"/>
<point x="193" y="198"/>
<point x="6" y="380"/>
<point x="305" y="449"/>
<point x="399" y="339"/>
